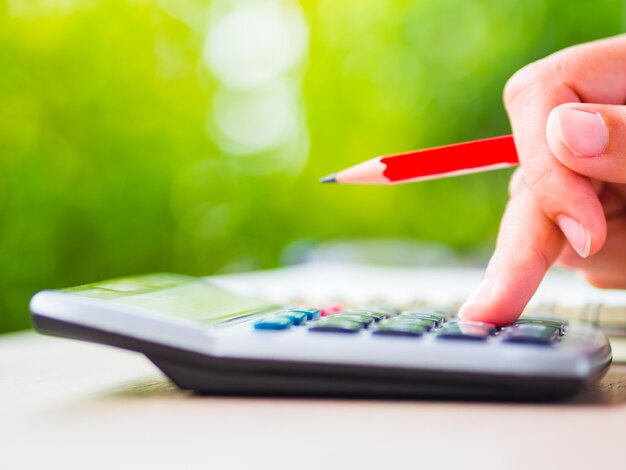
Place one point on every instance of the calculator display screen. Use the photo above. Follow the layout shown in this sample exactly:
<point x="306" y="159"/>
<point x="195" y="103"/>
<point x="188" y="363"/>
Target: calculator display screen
<point x="173" y="295"/>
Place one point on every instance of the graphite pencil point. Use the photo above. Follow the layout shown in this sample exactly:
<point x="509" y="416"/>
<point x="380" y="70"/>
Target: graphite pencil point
<point x="329" y="179"/>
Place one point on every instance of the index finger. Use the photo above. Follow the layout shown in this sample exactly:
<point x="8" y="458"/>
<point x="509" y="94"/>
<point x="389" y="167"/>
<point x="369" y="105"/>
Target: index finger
<point x="528" y="244"/>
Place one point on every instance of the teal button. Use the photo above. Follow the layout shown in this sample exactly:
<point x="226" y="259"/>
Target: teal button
<point x="311" y="313"/>
<point x="297" y="318"/>
<point x="273" y="323"/>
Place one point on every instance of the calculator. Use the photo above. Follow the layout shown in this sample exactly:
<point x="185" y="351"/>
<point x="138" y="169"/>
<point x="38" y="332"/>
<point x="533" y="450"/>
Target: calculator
<point x="214" y="341"/>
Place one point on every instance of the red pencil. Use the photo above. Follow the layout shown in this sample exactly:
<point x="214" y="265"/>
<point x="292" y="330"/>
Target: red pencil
<point x="439" y="162"/>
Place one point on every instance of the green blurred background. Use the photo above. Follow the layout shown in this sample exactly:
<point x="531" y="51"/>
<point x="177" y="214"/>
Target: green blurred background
<point x="189" y="136"/>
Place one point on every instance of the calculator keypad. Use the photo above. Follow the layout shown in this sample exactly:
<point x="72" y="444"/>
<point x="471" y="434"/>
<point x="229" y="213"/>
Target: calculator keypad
<point x="416" y="323"/>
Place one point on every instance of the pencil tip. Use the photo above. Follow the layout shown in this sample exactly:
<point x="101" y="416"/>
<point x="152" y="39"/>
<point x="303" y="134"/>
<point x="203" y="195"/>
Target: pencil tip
<point x="329" y="179"/>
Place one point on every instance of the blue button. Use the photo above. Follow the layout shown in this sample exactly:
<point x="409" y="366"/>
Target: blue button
<point x="311" y="313"/>
<point x="297" y="318"/>
<point x="273" y="323"/>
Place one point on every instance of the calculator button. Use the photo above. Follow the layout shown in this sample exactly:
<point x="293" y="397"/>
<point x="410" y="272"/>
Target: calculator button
<point x="422" y="322"/>
<point x="331" y="309"/>
<point x="297" y="318"/>
<point x="437" y="318"/>
<point x="561" y="325"/>
<point x="322" y="310"/>
<point x="388" y="310"/>
<point x="311" y="313"/>
<point x="428" y="311"/>
<point x="377" y="315"/>
<point x="398" y="328"/>
<point x="466" y="330"/>
<point x="531" y="334"/>
<point x="365" y="319"/>
<point x="334" y="325"/>
<point x="273" y="323"/>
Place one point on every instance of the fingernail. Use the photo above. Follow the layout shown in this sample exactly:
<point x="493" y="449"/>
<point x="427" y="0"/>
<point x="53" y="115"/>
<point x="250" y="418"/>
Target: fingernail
<point x="480" y="295"/>
<point x="576" y="233"/>
<point x="582" y="132"/>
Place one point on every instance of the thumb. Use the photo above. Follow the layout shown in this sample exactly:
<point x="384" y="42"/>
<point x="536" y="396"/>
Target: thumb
<point x="590" y="139"/>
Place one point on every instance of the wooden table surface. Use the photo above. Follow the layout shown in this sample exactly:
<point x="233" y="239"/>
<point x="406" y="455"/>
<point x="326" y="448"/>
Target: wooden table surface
<point x="74" y="405"/>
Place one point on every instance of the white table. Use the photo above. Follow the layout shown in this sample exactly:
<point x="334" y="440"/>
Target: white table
<point x="71" y="405"/>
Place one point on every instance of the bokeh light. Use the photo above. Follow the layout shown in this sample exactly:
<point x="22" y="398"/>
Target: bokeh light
<point x="189" y="135"/>
<point x="250" y="43"/>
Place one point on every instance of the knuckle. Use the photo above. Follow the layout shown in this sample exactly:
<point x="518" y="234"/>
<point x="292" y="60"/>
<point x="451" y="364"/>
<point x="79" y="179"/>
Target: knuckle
<point x="569" y="259"/>
<point x="554" y="67"/>
<point x="574" y="58"/>
<point x="529" y="81"/>
<point x="516" y="183"/>
<point x="619" y="125"/>
<point x="566" y="264"/>
<point x="604" y="283"/>
<point x="594" y="281"/>
<point x="537" y="180"/>
<point x="523" y="80"/>
<point x="516" y="85"/>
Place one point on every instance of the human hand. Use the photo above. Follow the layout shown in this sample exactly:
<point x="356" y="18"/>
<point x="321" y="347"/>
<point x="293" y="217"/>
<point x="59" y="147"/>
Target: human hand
<point x="568" y="198"/>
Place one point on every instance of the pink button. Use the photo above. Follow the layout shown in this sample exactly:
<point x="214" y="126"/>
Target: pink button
<point x="332" y="309"/>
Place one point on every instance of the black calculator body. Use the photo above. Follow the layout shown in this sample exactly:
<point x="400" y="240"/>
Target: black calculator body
<point x="210" y="340"/>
